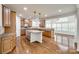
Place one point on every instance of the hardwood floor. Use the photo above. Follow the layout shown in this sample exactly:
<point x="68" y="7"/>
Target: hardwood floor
<point x="25" y="47"/>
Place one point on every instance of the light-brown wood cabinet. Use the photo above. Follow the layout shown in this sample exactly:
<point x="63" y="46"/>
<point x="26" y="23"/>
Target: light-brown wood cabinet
<point x="8" y="43"/>
<point x="0" y="46"/>
<point x="12" y="27"/>
<point x="47" y="33"/>
<point x="6" y="16"/>
<point x="30" y="23"/>
<point x="13" y="22"/>
<point x="42" y="23"/>
<point x="23" y="32"/>
<point x="5" y="44"/>
<point x="22" y="22"/>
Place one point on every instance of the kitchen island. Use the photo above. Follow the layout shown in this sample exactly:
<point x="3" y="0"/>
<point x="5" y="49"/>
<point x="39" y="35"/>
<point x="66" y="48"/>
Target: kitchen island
<point x="48" y="32"/>
<point x="34" y="35"/>
<point x="45" y="31"/>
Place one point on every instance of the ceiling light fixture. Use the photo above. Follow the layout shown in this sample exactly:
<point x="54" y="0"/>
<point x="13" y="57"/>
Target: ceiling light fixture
<point x="25" y="8"/>
<point x="60" y="10"/>
<point x="37" y="15"/>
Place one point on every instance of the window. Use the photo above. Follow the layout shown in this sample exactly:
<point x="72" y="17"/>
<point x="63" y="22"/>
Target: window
<point x="65" y="27"/>
<point x="54" y="26"/>
<point x="58" y="27"/>
<point x="35" y="23"/>
<point x="48" y="23"/>
<point x="64" y="24"/>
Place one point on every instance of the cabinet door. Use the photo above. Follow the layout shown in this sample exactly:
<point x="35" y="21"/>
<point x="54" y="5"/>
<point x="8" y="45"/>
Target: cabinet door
<point x="6" y="16"/>
<point x="13" y="42"/>
<point x="52" y="34"/>
<point x="6" y="44"/>
<point x="22" y="22"/>
<point x="0" y="46"/>
<point x="47" y="33"/>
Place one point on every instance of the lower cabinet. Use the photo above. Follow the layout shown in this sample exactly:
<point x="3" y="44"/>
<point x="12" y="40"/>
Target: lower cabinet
<point x="5" y="44"/>
<point x="47" y="33"/>
<point x="0" y="46"/>
<point x="23" y="32"/>
<point x="13" y="42"/>
<point x="8" y="44"/>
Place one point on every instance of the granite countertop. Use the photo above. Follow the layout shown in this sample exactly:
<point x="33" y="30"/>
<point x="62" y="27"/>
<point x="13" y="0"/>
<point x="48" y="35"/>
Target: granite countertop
<point x="39" y="28"/>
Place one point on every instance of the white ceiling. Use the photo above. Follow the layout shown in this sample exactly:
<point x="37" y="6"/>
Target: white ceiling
<point x="49" y="9"/>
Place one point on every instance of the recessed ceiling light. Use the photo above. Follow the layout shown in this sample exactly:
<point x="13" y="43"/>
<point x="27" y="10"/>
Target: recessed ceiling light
<point x="60" y="10"/>
<point x="20" y="15"/>
<point x="45" y="15"/>
<point x="25" y="8"/>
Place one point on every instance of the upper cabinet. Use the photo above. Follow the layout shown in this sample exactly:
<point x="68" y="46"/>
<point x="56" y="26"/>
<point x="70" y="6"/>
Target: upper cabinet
<point x="22" y="22"/>
<point x="6" y="16"/>
<point x="0" y="15"/>
<point x="42" y="23"/>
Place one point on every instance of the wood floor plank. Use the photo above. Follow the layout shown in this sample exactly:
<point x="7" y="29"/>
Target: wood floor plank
<point x="25" y="47"/>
